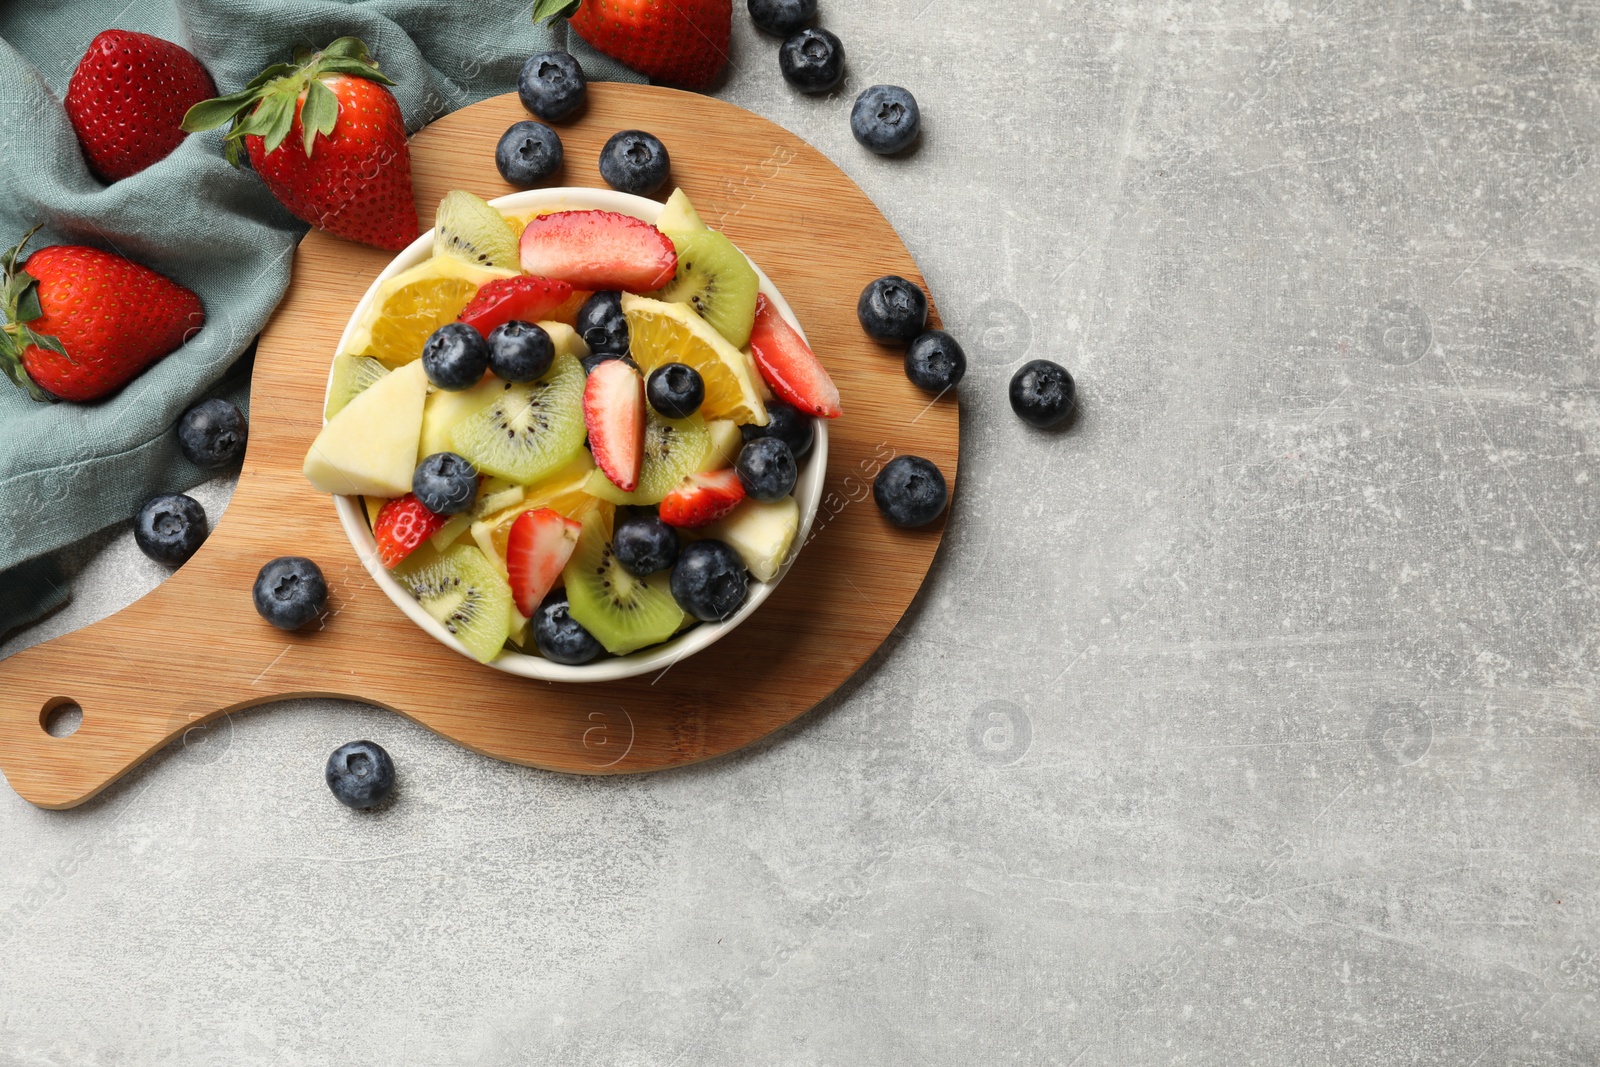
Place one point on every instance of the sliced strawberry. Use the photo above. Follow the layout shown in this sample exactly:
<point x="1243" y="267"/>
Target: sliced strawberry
<point x="527" y="299"/>
<point x="401" y="527"/>
<point x="702" y="499"/>
<point x="599" y="250"/>
<point x="541" y="543"/>
<point x="789" y="366"/>
<point x="613" y="412"/>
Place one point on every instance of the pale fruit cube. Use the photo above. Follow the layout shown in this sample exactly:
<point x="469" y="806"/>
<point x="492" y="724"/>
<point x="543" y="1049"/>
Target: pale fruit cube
<point x="761" y="533"/>
<point x="726" y="442"/>
<point x="370" y="447"/>
<point x="678" y="215"/>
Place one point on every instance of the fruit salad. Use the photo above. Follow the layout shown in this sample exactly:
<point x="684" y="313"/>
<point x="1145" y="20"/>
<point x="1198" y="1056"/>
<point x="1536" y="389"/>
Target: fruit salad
<point x="575" y="433"/>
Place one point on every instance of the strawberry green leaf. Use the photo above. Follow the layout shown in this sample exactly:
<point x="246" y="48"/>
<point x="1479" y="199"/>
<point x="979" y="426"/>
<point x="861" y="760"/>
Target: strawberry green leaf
<point x="348" y="48"/>
<point x="319" y="114"/>
<point x="277" y="119"/>
<point x="209" y="114"/>
<point x="27" y="298"/>
<point x="354" y="69"/>
<point x="551" y="9"/>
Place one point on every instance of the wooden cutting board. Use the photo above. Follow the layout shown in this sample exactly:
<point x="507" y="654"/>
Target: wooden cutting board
<point x="194" y="648"/>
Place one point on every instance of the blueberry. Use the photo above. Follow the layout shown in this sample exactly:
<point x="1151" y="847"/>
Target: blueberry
<point x="910" y="491"/>
<point x="709" y="581"/>
<point x="1043" y="393"/>
<point x="170" y="528"/>
<point x="767" y="468"/>
<point x="787" y="424"/>
<point x="445" y="483"/>
<point x="520" y="351"/>
<point x="528" y="153"/>
<point x="935" y="362"/>
<point x="552" y="85"/>
<point x="634" y="162"/>
<point x="212" y="434"/>
<point x="676" y="390"/>
<point x="782" y="17"/>
<point x="892" y="309"/>
<point x="455" y="357"/>
<point x="290" y="592"/>
<point x="885" y="119"/>
<point x="602" y="325"/>
<point x="361" y="774"/>
<point x="644" y="544"/>
<point x="559" y="636"/>
<point x="812" y="60"/>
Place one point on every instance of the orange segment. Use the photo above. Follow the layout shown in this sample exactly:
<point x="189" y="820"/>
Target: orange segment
<point x="661" y="333"/>
<point x="411" y="305"/>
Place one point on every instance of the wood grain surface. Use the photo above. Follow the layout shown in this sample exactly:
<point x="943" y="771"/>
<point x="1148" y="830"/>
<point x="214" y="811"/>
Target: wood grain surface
<point x="194" y="648"/>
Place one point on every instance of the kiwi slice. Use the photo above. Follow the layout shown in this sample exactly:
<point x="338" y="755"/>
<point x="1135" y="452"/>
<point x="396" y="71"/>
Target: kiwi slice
<point x="464" y="592"/>
<point x="717" y="281"/>
<point x="468" y="229"/>
<point x="527" y="431"/>
<point x="352" y="375"/>
<point x="624" y="613"/>
<point x="673" y="449"/>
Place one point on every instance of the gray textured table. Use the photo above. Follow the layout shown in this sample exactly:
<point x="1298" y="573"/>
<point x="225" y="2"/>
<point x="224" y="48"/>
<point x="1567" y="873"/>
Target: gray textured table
<point x="1251" y="722"/>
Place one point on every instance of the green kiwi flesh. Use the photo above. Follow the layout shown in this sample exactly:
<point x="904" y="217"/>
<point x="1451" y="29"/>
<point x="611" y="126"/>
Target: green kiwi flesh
<point x="717" y="281"/>
<point x="624" y="613"/>
<point x="465" y="593"/>
<point x="468" y="229"/>
<point x="527" y="431"/>
<point x="352" y="376"/>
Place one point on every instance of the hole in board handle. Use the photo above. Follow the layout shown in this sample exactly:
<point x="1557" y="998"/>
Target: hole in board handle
<point x="61" y="717"/>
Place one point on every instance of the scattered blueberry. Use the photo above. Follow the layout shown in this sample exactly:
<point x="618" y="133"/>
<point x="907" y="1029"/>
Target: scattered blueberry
<point x="644" y="544"/>
<point x="361" y="774"/>
<point x="528" y="153"/>
<point x="602" y="325"/>
<point x="170" y="528"/>
<point x="782" y="17"/>
<point x="935" y="362"/>
<point x="520" y="351"/>
<point x="676" y="390"/>
<point x="892" y="309"/>
<point x="634" y="162"/>
<point x="812" y="60"/>
<point x="552" y="85"/>
<point x="710" y="581"/>
<point x="212" y="434"/>
<point x="885" y="119"/>
<point x="445" y="483"/>
<point x="767" y="468"/>
<point x="290" y="592"/>
<point x="455" y="357"/>
<point x="910" y="491"/>
<point x="1043" y="393"/>
<point x="786" y="423"/>
<point x="559" y="636"/>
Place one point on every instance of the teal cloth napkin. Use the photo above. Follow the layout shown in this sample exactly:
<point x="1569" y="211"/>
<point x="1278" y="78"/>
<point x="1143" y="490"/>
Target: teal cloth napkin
<point x="67" y="470"/>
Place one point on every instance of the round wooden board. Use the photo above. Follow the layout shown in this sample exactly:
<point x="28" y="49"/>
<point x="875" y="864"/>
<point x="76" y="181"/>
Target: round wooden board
<point x="195" y="649"/>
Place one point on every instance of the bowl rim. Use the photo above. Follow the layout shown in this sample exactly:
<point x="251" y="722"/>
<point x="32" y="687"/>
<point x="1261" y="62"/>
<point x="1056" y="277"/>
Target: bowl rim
<point x="657" y="658"/>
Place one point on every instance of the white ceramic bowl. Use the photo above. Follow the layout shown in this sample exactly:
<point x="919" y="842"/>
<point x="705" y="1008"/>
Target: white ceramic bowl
<point x="807" y="492"/>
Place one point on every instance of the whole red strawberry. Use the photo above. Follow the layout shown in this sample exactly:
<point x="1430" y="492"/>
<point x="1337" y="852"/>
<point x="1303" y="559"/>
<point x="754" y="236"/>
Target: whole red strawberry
<point x="127" y="100"/>
<point x="676" y="42"/>
<point x="81" y="323"/>
<point x="328" y="139"/>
